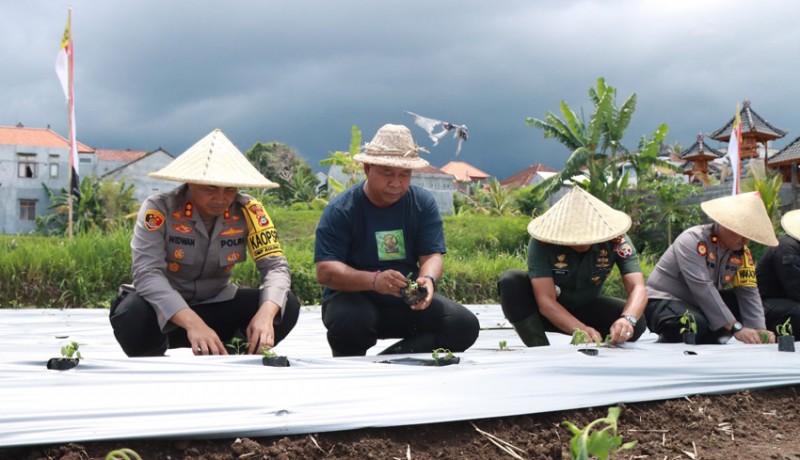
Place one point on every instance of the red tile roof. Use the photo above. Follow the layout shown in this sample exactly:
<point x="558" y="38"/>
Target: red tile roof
<point x="525" y="176"/>
<point x="464" y="171"/>
<point x="120" y="155"/>
<point x="429" y="170"/>
<point x="36" y="137"/>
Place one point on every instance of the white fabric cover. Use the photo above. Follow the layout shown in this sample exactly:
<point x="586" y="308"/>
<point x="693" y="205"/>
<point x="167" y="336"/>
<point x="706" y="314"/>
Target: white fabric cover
<point x="109" y="396"/>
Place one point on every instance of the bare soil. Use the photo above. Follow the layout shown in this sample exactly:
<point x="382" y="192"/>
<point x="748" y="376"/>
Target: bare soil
<point x="763" y="424"/>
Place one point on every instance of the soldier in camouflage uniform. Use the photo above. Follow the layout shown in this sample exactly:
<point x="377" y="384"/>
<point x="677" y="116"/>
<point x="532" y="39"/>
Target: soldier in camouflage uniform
<point x="573" y="248"/>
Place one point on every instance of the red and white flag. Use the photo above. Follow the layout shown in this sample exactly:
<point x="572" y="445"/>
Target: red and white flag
<point x="733" y="151"/>
<point x="64" y="68"/>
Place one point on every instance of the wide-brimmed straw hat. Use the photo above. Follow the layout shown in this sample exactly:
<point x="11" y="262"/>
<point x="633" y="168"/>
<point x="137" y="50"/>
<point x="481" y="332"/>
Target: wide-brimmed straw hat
<point x="579" y="218"/>
<point x="791" y="223"/>
<point x="214" y="160"/>
<point x="392" y="146"/>
<point x="744" y="214"/>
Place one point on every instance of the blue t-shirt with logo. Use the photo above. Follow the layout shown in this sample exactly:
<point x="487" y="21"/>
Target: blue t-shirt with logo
<point x="365" y="237"/>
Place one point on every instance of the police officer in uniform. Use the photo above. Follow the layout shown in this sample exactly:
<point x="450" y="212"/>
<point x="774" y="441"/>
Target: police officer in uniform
<point x="573" y="248"/>
<point x="778" y="274"/>
<point x="185" y="245"/>
<point x="709" y="271"/>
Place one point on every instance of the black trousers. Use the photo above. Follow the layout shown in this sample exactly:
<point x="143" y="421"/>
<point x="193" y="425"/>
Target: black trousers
<point x="518" y="302"/>
<point x="778" y="310"/>
<point x="356" y="320"/>
<point x="664" y="318"/>
<point x="136" y="327"/>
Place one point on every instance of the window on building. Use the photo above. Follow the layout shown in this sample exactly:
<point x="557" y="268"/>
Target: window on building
<point x="27" y="209"/>
<point x="26" y="165"/>
<point x="54" y="166"/>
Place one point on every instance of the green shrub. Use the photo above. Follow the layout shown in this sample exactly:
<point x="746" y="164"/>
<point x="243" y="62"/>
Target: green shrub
<point x="85" y="272"/>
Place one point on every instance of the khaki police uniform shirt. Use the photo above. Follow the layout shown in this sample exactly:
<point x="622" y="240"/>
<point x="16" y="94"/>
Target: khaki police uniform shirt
<point x="580" y="275"/>
<point x="697" y="266"/>
<point x="177" y="263"/>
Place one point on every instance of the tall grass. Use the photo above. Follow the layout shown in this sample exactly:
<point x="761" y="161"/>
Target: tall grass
<point x="85" y="272"/>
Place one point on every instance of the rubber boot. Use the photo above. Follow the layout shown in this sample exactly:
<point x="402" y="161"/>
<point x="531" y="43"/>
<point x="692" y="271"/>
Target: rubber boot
<point x="422" y="343"/>
<point x="531" y="331"/>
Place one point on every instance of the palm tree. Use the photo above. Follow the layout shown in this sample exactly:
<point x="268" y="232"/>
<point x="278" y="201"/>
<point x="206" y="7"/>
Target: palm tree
<point x="596" y="146"/>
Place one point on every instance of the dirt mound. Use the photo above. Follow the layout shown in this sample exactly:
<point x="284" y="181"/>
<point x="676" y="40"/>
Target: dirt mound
<point x="746" y="425"/>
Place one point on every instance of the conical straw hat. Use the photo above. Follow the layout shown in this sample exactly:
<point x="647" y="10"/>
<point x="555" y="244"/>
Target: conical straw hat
<point x="791" y="223"/>
<point x="392" y="146"/>
<point x="743" y="214"/>
<point x="579" y="218"/>
<point x="214" y="160"/>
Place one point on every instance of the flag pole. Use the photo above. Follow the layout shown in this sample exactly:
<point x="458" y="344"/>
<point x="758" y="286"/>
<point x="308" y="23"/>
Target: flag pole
<point x="69" y="129"/>
<point x="70" y="110"/>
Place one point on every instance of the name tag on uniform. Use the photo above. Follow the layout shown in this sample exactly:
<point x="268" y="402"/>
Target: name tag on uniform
<point x="560" y="272"/>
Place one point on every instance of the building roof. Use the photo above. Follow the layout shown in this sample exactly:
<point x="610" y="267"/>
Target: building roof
<point x="700" y="151"/>
<point x="787" y="155"/>
<point x="752" y="126"/>
<point x="36" y="137"/>
<point x="464" y="171"/>
<point x="525" y="176"/>
<point x="430" y="170"/>
<point x="128" y="163"/>
<point x="119" y="155"/>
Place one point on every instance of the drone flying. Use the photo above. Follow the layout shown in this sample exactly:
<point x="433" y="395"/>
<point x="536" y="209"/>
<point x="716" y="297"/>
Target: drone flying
<point x="430" y="124"/>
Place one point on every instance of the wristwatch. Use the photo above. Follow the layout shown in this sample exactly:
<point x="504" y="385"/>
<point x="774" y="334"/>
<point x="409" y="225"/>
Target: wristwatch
<point x="631" y="319"/>
<point x="737" y="326"/>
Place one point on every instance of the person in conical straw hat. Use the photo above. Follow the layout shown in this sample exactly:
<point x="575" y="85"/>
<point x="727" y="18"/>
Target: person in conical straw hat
<point x="185" y="245"/>
<point x="778" y="276"/>
<point x="709" y="272"/>
<point x="573" y="247"/>
<point x="374" y="242"/>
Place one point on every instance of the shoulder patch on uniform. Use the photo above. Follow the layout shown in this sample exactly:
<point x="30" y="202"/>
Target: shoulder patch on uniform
<point x="262" y="238"/>
<point x="153" y="219"/>
<point x="746" y="274"/>
<point x="624" y="250"/>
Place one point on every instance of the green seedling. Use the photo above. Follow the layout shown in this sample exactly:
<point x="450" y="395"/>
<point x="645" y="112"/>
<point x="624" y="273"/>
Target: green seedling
<point x="503" y="345"/>
<point x="447" y="354"/>
<point x="593" y="443"/>
<point x="763" y="336"/>
<point x="238" y="345"/>
<point x="268" y="352"/>
<point x="123" y="454"/>
<point x="579" y="337"/>
<point x="70" y="351"/>
<point x="689" y="323"/>
<point x="412" y="285"/>
<point x="413" y="293"/>
<point x="785" y="328"/>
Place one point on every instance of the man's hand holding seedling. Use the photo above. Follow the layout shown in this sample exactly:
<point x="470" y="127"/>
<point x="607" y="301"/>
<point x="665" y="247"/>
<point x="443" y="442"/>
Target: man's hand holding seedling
<point x="427" y="283"/>
<point x="389" y="282"/>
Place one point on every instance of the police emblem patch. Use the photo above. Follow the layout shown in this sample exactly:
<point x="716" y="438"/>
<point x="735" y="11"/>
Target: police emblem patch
<point x="561" y="264"/>
<point x="625" y="250"/>
<point x="702" y="249"/>
<point x="179" y="254"/>
<point x="153" y="219"/>
<point x="173" y="267"/>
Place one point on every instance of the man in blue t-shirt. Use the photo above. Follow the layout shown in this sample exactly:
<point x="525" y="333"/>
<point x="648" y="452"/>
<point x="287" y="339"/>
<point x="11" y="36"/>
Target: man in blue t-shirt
<point x="369" y="239"/>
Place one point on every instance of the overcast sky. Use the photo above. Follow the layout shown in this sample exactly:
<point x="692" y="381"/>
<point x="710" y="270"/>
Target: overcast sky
<point x="165" y="73"/>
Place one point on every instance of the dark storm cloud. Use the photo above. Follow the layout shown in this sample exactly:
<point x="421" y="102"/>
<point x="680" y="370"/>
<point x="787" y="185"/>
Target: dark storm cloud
<point x="152" y="74"/>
